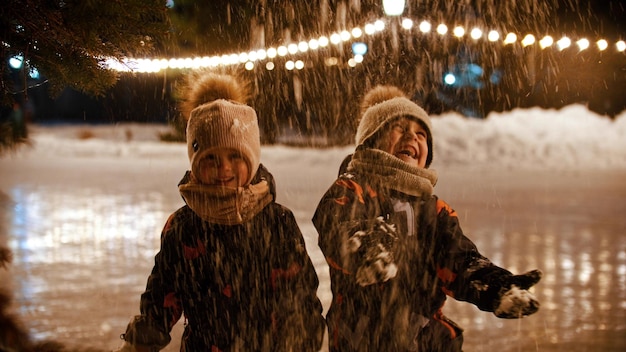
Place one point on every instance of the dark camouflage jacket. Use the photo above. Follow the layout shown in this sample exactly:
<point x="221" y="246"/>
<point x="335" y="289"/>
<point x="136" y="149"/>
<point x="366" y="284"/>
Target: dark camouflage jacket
<point x="433" y="258"/>
<point x="249" y="287"/>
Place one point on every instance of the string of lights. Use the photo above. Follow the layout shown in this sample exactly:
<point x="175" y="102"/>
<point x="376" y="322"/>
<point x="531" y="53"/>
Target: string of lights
<point x="292" y="51"/>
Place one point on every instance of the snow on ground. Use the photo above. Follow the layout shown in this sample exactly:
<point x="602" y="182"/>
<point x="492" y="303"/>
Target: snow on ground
<point x="569" y="138"/>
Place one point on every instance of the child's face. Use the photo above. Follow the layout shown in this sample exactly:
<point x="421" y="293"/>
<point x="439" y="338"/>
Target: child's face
<point x="405" y="139"/>
<point x="223" y="167"/>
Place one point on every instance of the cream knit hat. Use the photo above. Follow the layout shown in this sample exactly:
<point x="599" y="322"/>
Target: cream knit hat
<point x="224" y="124"/>
<point x="380" y="113"/>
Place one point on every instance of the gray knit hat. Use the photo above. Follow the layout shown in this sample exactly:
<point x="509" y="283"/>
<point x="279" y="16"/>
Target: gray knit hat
<point x="224" y="124"/>
<point x="378" y="115"/>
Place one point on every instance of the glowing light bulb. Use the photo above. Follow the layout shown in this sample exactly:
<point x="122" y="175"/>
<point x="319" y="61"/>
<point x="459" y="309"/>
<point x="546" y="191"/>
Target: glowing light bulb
<point x="493" y="36"/>
<point x="602" y="44"/>
<point x="425" y="26"/>
<point x="621" y="45"/>
<point x="510" y="38"/>
<point x="546" y="42"/>
<point x="407" y="24"/>
<point x="458" y="31"/>
<point x="442" y="29"/>
<point x="583" y="44"/>
<point x="529" y="39"/>
<point x="563" y="43"/>
<point x="476" y="33"/>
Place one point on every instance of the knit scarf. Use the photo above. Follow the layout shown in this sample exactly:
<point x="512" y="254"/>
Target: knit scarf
<point x="386" y="169"/>
<point x="226" y="205"/>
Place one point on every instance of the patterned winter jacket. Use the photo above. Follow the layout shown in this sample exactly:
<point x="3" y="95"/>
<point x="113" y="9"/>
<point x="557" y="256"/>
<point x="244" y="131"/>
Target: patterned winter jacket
<point x="249" y="287"/>
<point x="432" y="255"/>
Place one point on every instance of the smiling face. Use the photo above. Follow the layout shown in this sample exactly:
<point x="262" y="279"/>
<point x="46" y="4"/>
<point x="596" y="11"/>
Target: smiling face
<point x="406" y="139"/>
<point x="223" y="167"/>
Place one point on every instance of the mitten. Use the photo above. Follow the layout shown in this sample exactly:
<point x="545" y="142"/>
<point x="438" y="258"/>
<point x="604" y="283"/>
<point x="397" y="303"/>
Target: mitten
<point x="514" y="299"/>
<point x="373" y="251"/>
<point x="141" y="335"/>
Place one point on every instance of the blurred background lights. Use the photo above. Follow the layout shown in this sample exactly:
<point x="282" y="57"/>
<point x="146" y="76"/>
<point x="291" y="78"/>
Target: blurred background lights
<point x="269" y="65"/>
<point x="292" y="48"/>
<point x="299" y="64"/>
<point x="442" y="29"/>
<point x="602" y="44"/>
<point x="546" y="42"/>
<point x="529" y="39"/>
<point x="34" y="73"/>
<point x="458" y="31"/>
<point x="379" y="25"/>
<point x="357" y="32"/>
<point x="510" y="38"/>
<point x="249" y="66"/>
<point x="290" y="65"/>
<point x="314" y="44"/>
<point x="16" y="62"/>
<point x="407" y="23"/>
<point x="583" y="44"/>
<point x="621" y="45"/>
<point x="564" y="43"/>
<point x="476" y="33"/>
<point x="425" y="26"/>
<point x="449" y="79"/>
<point x="393" y="7"/>
<point x="493" y="36"/>
<point x="359" y="48"/>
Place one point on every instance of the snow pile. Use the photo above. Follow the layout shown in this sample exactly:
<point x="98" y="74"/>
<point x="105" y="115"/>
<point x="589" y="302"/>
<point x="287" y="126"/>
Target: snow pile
<point x="569" y="138"/>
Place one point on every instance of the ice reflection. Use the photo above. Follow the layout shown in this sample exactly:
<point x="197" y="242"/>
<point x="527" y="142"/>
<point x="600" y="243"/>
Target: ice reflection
<point x="76" y="248"/>
<point x="582" y="292"/>
<point x="82" y="256"/>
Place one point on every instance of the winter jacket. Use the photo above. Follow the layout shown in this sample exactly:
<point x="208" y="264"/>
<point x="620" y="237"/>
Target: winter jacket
<point x="433" y="259"/>
<point x="248" y="287"/>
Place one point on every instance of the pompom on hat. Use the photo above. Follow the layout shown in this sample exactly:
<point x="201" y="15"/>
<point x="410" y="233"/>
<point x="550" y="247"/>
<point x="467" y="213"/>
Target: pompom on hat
<point x="384" y="104"/>
<point x="219" y="121"/>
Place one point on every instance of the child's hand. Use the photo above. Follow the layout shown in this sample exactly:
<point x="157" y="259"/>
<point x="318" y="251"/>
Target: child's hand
<point x="373" y="248"/>
<point x="515" y="301"/>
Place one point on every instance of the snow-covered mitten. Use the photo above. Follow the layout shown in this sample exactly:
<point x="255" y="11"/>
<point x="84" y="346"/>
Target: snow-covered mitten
<point x="514" y="299"/>
<point x="373" y="250"/>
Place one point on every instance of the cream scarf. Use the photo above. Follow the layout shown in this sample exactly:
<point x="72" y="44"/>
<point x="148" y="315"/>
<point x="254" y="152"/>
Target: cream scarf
<point x="393" y="173"/>
<point x="226" y="205"/>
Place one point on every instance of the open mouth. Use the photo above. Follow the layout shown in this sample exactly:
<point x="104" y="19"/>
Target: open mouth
<point x="407" y="152"/>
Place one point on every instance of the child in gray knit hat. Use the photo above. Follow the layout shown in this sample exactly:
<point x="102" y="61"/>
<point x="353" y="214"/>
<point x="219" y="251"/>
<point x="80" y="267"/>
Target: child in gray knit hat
<point x="395" y="250"/>
<point x="232" y="261"/>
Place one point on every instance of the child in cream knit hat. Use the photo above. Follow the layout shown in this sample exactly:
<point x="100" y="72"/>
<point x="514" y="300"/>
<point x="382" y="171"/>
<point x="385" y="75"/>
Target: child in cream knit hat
<point x="232" y="260"/>
<point x="395" y="250"/>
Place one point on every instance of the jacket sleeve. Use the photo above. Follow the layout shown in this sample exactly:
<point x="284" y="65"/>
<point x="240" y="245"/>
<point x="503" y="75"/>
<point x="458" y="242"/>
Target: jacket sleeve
<point x="297" y="318"/>
<point x="160" y="308"/>
<point x="466" y="274"/>
<point x="345" y="209"/>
